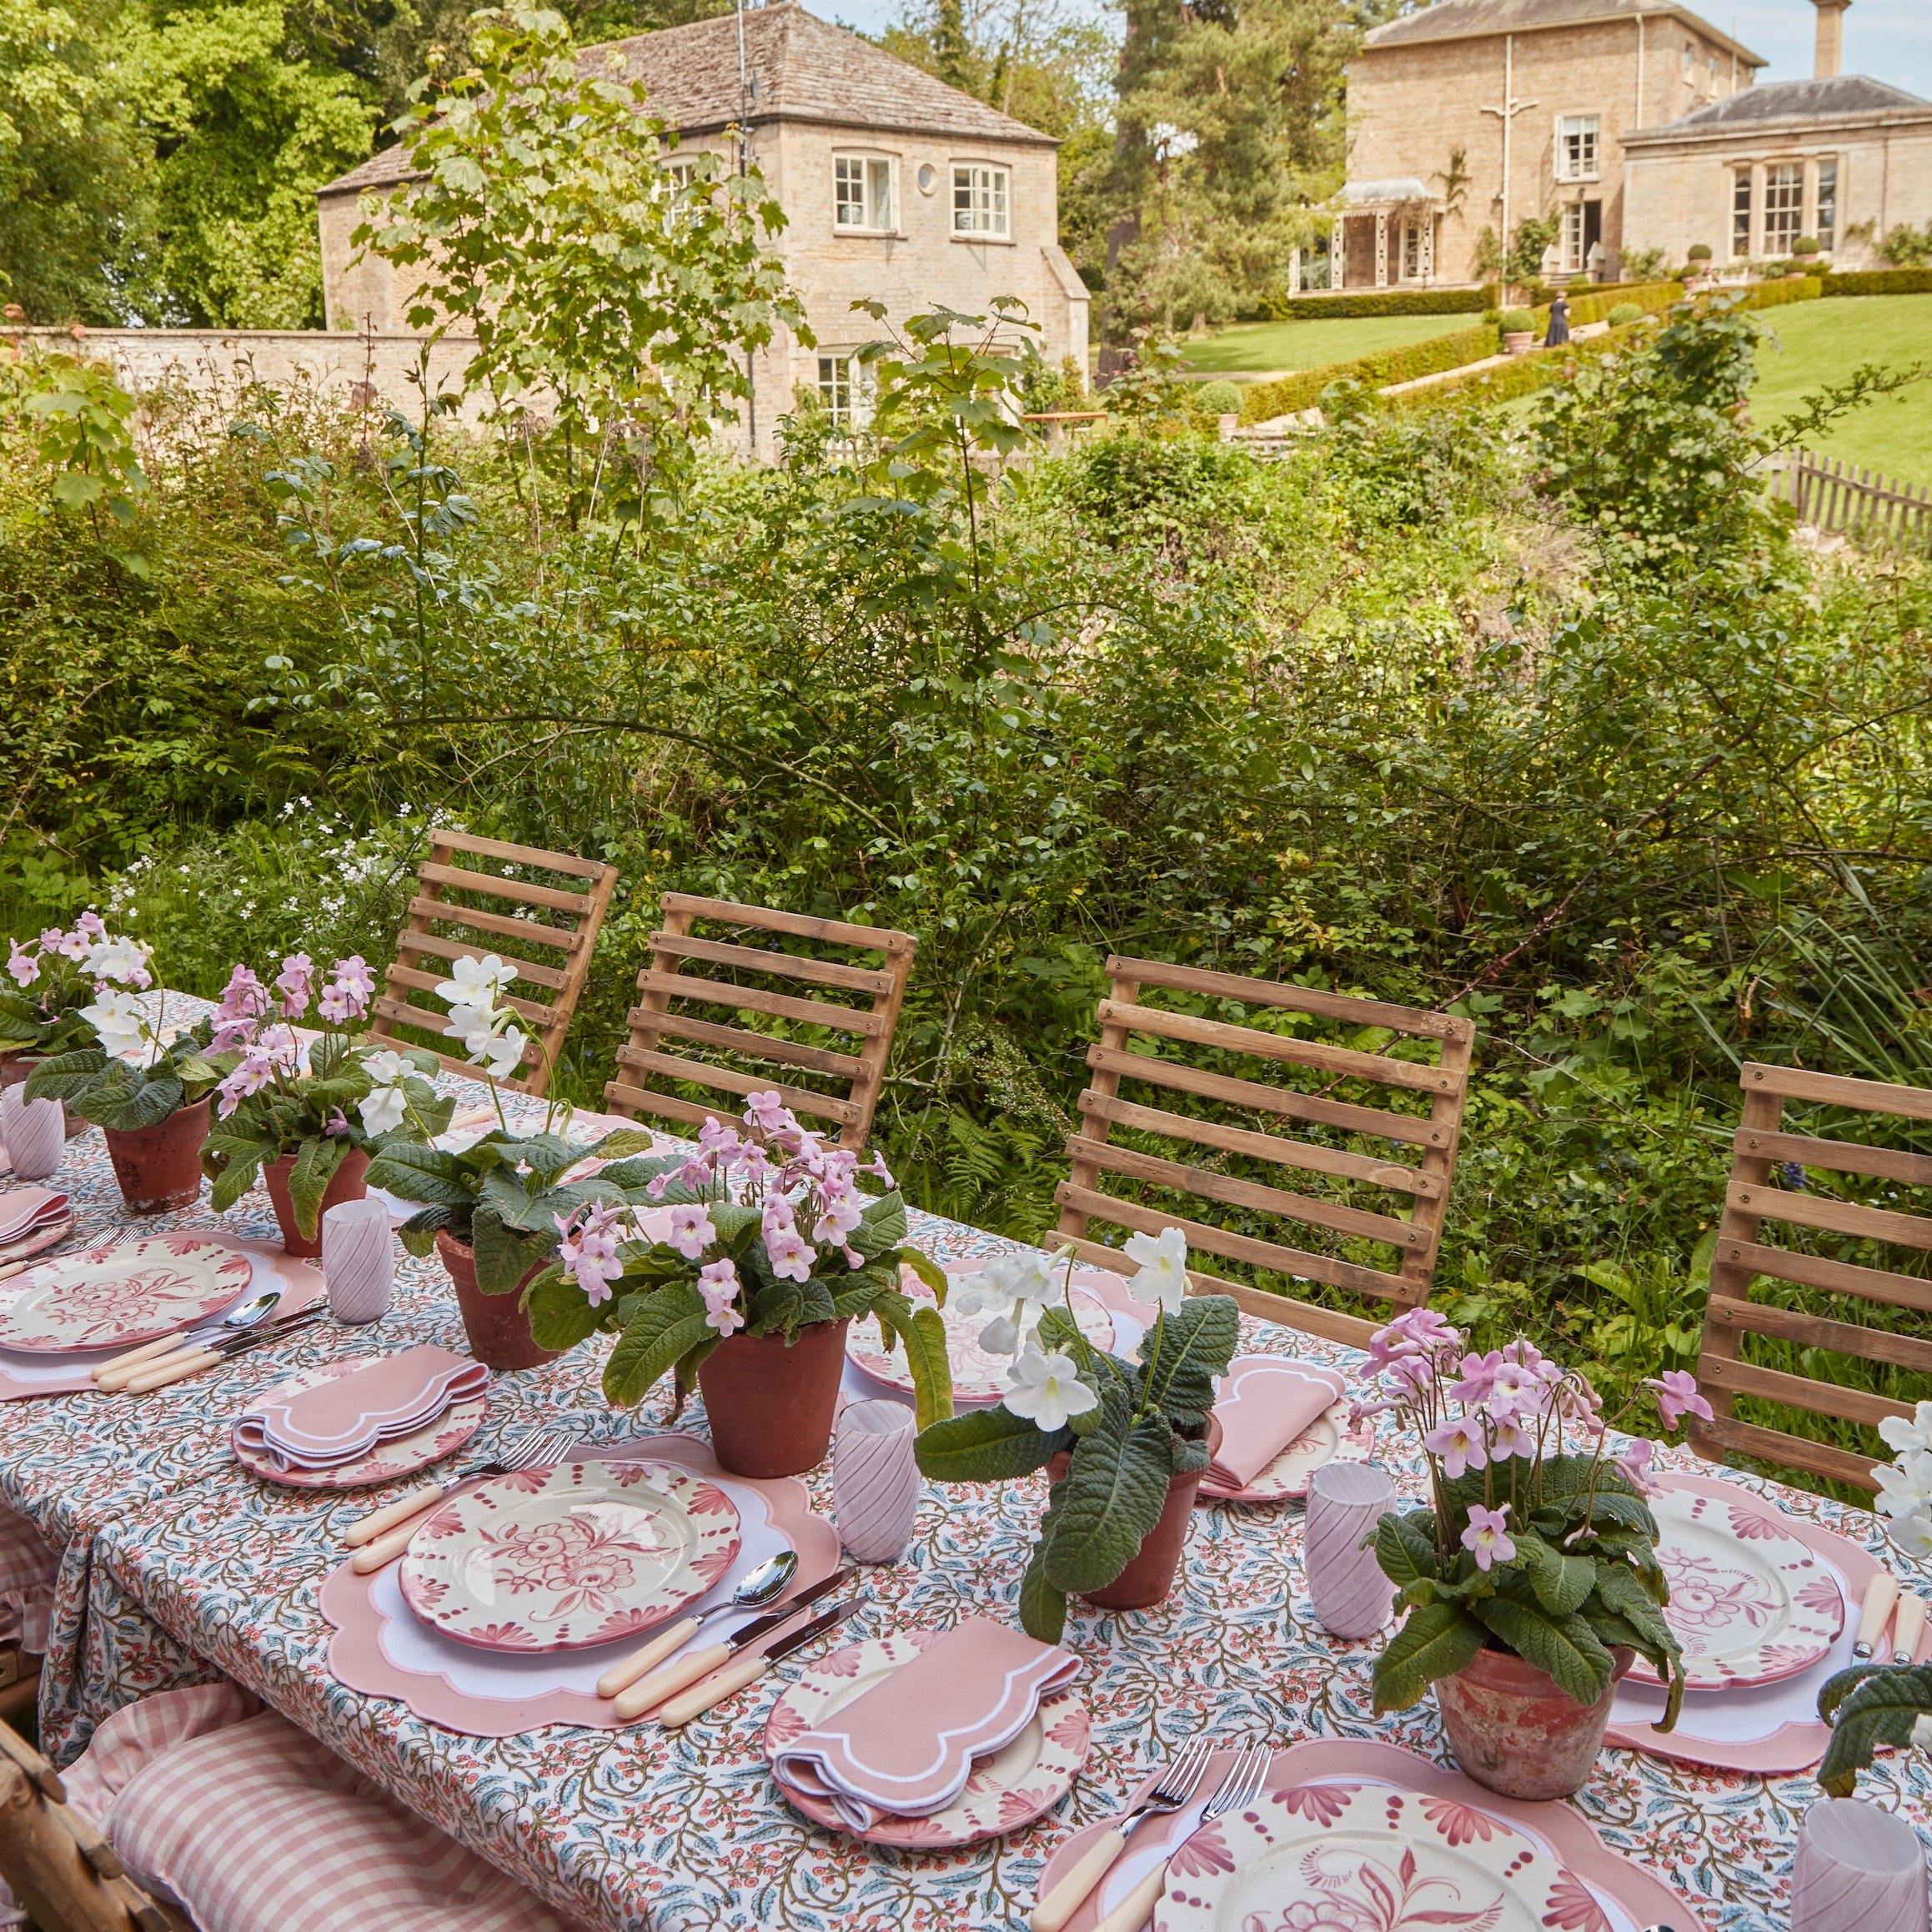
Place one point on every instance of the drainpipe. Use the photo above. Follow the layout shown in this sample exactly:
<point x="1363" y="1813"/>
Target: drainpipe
<point x="1639" y="70"/>
<point x="1508" y="117"/>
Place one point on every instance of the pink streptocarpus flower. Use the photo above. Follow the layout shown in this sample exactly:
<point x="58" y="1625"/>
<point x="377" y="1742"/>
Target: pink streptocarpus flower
<point x="841" y="1216"/>
<point x="877" y="1168"/>
<point x="1487" y="1538"/>
<point x="351" y="986"/>
<point x="1477" y="1377"/>
<point x="255" y="1071"/>
<point x="1678" y="1397"/>
<point x="296" y="984"/>
<point x="22" y="964"/>
<point x="691" y="1231"/>
<point x="1635" y="1463"/>
<point x="589" y="1250"/>
<point x="1508" y="1438"/>
<point x="769" y="1114"/>
<point x="1460" y="1442"/>
<point x="244" y="1004"/>
<point x="335" y="1126"/>
<point x="91" y="927"/>
<point x="791" y="1254"/>
<point x="718" y="1284"/>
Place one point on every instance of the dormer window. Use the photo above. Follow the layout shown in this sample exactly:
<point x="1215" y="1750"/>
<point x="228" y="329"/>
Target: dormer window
<point x="862" y="194"/>
<point x="981" y="203"/>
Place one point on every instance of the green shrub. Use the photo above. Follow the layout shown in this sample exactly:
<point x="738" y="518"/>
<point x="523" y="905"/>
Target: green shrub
<point x="1805" y="245"/>
<point x="1518" y="321"/>
<point x="1650" y="297"/>
<point x="1303" y="389"/>
<point x="1698" y="252"/>
<point x="1376" y="302"/>
<point x="1880" y="281"/>
<point x="1218" y="397"/>
<point x="1624" y="312"/>
<point x="1776" y="294"/>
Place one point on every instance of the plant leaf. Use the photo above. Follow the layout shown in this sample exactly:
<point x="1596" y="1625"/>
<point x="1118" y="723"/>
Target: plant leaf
<point x="670" y="1323"/>
<point x="1407" y="1553"/>
<point x="316" y="1160"/>
<point x="1043" y="1607"/>
<point x="1435" y="1640"/>
<point x="1867" y="1706"/>
<point x="559" y="1316"/>
<point x="1112" y="1495"/>
<point x="1566" y="1647"/>
<point x="922" y="1333"/>
<point x="1562" y="1584"/>
<point x="986" y="1445"/>
<point x="1196" y="1342"/>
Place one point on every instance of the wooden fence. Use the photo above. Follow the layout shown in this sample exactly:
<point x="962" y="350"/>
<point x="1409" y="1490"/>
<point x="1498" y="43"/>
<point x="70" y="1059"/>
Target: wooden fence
<point x="1877" y="512"/>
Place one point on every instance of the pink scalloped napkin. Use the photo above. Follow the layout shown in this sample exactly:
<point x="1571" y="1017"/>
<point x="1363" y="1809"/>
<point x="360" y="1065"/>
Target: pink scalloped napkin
<point x="1270" y="1401"/>
<point x="25" y="1211"/>
<point x="906" y="1748"/>
<point x="337" y="1422"/>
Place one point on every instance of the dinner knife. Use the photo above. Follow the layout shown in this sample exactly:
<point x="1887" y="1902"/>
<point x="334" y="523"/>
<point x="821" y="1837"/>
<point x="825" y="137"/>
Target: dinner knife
<point x="1881" y="1594"/>
<point x="720" y="1684"/>
<point x="672" y="1678"/>
<point x="179" y="1367"/>
<point x="1908" y="1626"/>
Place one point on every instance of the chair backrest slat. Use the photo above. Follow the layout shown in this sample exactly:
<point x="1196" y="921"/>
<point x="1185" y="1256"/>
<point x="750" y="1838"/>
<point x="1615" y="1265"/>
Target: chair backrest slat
<point x="1409" y="1227"/>
<point x="441" y="929"/>
<point x="666" y="987"/>
<point x="1769" y="1194"/>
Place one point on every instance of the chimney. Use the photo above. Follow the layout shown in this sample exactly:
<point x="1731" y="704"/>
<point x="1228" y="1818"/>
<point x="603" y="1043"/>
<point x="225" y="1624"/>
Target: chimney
<point x="1829" y="59"/>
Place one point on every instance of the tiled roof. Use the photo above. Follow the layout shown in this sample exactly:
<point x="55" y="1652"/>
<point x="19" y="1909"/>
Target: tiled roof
<point x="1814" y="100"/>
<point x="1468" y="19"/>
<point x="802" y="69"/>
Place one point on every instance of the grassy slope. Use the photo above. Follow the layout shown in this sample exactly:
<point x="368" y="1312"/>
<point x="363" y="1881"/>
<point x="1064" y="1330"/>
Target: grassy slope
<point x="1817" y="343"/>
<point x="1252" y="347"/>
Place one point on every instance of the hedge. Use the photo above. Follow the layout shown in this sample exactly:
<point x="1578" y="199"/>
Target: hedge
<point x="1881" y="282"/>
<point x="1378" y="302"/>
<point x="1596" y="306"/>
<point x="1776" y="294"/>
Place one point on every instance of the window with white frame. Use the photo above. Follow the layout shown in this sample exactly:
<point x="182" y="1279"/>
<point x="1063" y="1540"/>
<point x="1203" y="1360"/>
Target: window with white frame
<point x="1783" y="206"/>
<point x="1578" y="146"/>
<point x="1412" y="251"/>
<point x="862" y="193"/>
<point x="1740" y="214"/>
<point x="1572" y="239"/>
<point x="980" y="199"/>
<point x="845" y="390"/>
<point x="683" y="171"/>
<point x="1827" y="229"/>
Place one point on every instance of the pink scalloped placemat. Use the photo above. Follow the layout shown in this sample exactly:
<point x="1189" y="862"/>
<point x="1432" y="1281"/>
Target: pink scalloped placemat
<point x="380" y="1649"/>
<point x="1642" y="1894"/>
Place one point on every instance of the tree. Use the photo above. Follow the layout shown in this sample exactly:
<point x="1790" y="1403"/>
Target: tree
<point x="613" y="307"/>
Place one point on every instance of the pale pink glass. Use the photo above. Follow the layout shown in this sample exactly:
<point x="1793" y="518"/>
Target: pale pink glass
<point x="34" y="1131"/>
<point x="358" y="1260"/>
<point x="874" y="1480"/>
<point x="1858" y="1869"/>
<point x="1345" y="1500"/>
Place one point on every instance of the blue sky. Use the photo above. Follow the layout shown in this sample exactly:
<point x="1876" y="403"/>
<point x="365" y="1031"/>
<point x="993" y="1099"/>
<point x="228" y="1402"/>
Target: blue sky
<point x="1891" y="39"/>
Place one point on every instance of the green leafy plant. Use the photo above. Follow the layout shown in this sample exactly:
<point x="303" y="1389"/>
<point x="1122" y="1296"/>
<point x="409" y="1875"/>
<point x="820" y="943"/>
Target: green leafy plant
<point x="80" y="415"/>
<point x="1623" y="313"/>
<point x="1698" y="252"/>
<point x="1517" y="321"/>
<point x="1527" y="1545"/>
<point x="1127" y="1429"/>
<point x="1867" y="1706"/>
<point x="64" y="982"/>
<point x="102" y="1087"/>
<point x="768" y="1232"/>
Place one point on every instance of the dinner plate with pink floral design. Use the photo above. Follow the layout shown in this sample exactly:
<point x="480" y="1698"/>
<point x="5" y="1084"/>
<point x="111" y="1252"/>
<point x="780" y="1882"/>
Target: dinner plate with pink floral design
<point x="562" y="1557"/>
<point x="1005" y="1790"/>
<point x="124" y="1292"/>
<point x="1748" y="1602"/>
<point x="1367" y="1856"/>
<point x="392" y="1459"/>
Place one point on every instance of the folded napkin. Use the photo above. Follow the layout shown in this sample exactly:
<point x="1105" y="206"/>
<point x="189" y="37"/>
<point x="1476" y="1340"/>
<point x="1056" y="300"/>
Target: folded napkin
<point x="339" y="1422"/>
<point x="1266" y="1404"/>
<point x="906" y="1746"/>
<point x="25" y="1211"/>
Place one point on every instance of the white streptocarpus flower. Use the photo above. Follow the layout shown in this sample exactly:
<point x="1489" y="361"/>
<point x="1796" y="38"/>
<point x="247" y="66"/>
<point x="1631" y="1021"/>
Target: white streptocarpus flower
<point x="1162" y="1276"/>
<point x="1014" y="1288"/>
<point x="120" y="1022"/>
<point x="385" y="1067"/>
<point x="1046" y="1389"/>
<point x="119" y="961"/>
<point x="1900" y="1434"/>
<point x="504" y="1053"/>
<point x="479" y="983"/>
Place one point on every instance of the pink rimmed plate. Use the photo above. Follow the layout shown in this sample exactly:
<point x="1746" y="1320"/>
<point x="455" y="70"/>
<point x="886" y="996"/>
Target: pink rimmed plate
<point x="573" y="1555"/>
<point x="1327" y="1439"/>
<point x="1006" y="1789"/>
<point x="388" y="1461"/>
<point x="1338" y="1855"/>
<point x="122" y="1293"/>
<point x="1749" y="1603"/>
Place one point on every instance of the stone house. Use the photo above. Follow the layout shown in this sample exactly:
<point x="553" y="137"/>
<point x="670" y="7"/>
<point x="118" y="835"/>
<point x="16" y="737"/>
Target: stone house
<point x="896" y="188"/>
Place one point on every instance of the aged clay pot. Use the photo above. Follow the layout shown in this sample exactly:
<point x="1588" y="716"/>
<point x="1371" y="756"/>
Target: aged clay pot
<point x="771" y="1408"/>
<point x="159" y="1167"/>
<point x="14" y="1069"/>
<point x="498" y="1326"/>
<point x="1147" y="1580"/>
<point x="345" y="1186"/>
<point x="1514" y="1730"/>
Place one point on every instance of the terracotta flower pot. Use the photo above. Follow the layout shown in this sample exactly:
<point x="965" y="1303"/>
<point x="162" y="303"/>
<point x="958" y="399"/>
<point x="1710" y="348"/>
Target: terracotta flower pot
<point x="498" y="1326"/>
<point x="14" y="1069"/>
<point x="159" y="1167"/>
<point x="1514" y="1730"/>
<point x="1150" y="1576"/>
<point x="771" y="1408"/>
<point x="1520" y="342"/>
<point x="346" y="1185"/>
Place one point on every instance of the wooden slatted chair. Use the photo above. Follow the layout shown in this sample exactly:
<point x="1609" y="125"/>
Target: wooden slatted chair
<point x="462" y="911"/>
<point x="1764" y="1154"/>
<point x="1408" y="1171"/>
<point x="862" y="1010"/>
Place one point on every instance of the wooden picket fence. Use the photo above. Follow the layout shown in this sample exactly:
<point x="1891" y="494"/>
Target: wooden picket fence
<point x="1876" y="513"/>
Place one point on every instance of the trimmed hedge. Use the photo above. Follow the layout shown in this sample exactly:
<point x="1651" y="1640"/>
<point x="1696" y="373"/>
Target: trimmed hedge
<point x="1523" y="375"/>
<point x="1776" y="294"/>
<point x="1303" y="389"/>
<point x="1596" y="306"/>
<point x="1378" y="302"/>
<point x="1881" y="282"/>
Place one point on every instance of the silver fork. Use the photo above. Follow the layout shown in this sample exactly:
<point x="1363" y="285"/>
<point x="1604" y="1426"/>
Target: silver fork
<point x="382" y="1536"/>
<point x="1173" y="1789"/>
<point x="1240" y="1786"/>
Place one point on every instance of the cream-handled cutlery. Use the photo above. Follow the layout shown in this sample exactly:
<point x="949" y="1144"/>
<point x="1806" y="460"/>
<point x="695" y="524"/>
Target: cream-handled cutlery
<point x="757" y="1586"/>
<point x="1240" y="1786"/>
<point x="1881" y="1594"/>
<point x="111" y="1374"/>
<point x="150" y="1376"/>
<point x="685" y="1671"/>
<point x="1908" y="1626"/>
<point x="711" y="1691"/>
<point x="20" y="1265"/>
<point x="381" y="1537"/>
<point x="1175" y="1787"/>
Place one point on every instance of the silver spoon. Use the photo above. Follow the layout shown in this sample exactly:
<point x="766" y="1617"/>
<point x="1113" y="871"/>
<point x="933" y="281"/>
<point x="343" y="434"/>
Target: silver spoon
<point x="110" y="1375"/>
<point x="758" y="1585"/>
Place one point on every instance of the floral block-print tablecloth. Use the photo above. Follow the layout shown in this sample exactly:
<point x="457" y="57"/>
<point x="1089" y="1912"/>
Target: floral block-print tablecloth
<point x="177" y="1564"/>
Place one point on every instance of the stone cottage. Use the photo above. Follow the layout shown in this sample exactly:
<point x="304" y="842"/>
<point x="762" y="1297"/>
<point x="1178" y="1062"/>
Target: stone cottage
<point x="897" y="189"/>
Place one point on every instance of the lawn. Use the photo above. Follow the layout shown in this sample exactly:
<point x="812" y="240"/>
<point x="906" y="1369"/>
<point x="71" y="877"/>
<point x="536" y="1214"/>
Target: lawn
<point x="1254" y="348"/>
<point x="1812" y="343"/>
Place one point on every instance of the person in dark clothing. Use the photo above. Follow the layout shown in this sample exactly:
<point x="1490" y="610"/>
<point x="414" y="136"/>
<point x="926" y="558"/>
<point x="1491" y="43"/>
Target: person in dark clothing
<point x="1559" y="321"/>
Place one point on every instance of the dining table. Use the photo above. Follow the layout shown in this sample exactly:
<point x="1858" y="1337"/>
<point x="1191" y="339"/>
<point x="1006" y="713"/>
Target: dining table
<point x="176" y="1566"/>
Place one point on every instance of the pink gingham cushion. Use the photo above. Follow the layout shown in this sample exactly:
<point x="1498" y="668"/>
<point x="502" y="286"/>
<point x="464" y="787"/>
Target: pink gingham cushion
<point x="247" y="1823"/>
<point x="26" y="1571"/>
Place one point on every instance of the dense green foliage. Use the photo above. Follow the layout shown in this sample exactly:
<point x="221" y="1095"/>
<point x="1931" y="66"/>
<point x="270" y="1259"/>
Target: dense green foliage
<point x="1880" y="281"/>
<point x="1390" y="716"/>
<point x="1382" y="302"/>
